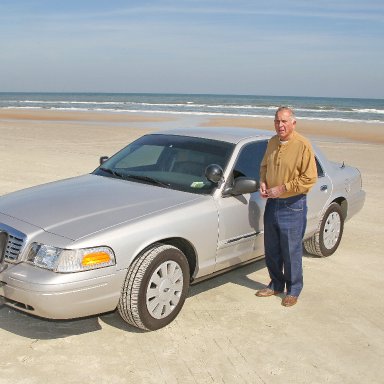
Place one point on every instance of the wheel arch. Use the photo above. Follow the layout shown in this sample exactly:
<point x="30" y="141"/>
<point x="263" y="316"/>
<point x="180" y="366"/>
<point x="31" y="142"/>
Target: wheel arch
<point x="343" y="203"/>
<point x="184" y="245"/>
<point x="187" y="248"/>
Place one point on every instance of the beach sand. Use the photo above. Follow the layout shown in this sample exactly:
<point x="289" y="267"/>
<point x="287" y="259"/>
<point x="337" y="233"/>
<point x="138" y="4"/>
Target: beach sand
<point x="224" y="334"/>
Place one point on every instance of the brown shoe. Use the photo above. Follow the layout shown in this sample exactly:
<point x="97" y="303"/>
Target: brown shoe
<point x="265" y="292"/>
<point x="289" y="300"/>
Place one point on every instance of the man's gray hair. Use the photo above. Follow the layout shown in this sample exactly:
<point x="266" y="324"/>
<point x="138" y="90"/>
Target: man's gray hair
<point x="290" y="110"/>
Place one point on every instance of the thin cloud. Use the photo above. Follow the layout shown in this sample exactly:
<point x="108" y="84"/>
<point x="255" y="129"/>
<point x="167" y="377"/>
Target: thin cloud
<point x="202" y="45"/>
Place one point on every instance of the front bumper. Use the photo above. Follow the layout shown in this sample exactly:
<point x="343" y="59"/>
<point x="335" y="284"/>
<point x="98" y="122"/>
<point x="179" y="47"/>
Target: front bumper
<point x="60" y="296"/>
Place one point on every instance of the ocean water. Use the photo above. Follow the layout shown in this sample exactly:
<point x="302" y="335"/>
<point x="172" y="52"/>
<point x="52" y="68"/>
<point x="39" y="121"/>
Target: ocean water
<point x="310" y="108"/>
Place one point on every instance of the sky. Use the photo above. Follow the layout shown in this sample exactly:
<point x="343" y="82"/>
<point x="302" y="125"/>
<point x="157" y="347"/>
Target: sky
<point x="330" y="48"/>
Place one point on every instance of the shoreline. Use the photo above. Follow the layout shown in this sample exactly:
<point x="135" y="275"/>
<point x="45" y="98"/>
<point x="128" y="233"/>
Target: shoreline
<point x="372" y="133"/>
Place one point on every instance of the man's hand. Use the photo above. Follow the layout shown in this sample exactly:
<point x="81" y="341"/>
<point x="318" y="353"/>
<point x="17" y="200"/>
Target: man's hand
<point x="275" y="192"/>
<point x="263" y="190"/>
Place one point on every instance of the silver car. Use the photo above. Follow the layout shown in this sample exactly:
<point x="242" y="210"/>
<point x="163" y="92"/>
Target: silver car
<point x="168" y="210"/>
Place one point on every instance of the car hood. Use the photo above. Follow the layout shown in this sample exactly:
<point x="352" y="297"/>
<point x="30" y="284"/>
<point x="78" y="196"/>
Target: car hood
<point x="83" y="205"/>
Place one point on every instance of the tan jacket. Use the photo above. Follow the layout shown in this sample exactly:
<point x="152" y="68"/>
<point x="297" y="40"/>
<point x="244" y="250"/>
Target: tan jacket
<point x="292" y="164"/>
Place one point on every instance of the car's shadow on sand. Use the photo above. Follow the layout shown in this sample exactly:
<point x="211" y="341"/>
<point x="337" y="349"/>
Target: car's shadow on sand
<point x="34" y="327"/>
<point x="237" y="276"/>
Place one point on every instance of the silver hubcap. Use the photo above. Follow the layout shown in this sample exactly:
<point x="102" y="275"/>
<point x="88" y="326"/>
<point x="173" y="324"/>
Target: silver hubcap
<point x="331" y="230"/>
<point x="164" y="289"/>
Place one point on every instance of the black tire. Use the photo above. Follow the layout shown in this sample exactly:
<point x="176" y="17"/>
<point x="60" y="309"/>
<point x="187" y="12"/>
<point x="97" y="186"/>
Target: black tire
<point x="155" y="287"/>
<point x="326" y="239"/>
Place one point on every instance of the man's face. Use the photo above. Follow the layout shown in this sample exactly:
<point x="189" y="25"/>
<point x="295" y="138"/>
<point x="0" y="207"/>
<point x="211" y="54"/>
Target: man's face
<point x="284" y="125"/>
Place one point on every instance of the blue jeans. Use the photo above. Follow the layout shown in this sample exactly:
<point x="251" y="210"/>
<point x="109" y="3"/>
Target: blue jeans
<point x="285" y="221"/>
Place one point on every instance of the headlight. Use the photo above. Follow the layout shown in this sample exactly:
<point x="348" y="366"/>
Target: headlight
<point x="70" y="260"/>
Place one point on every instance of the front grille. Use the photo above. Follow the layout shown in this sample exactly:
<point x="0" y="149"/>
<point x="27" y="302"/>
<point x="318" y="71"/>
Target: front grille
<point x="13" y="248"/>
<point x="12" y="242"/>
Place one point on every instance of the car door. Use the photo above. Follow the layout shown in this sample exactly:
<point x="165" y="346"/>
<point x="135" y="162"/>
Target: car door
<point x="318" y="198"/>
<point x="241" y="217"/>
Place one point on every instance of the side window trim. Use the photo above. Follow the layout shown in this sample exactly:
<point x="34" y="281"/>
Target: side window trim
<point x="320" y="170"/>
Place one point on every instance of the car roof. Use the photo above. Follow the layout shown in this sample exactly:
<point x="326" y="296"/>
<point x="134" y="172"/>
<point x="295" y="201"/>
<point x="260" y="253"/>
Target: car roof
<point x="228" y="134"/>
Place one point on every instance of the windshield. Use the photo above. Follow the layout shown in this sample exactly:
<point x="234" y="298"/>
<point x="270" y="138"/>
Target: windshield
<point x="169" y="161"/>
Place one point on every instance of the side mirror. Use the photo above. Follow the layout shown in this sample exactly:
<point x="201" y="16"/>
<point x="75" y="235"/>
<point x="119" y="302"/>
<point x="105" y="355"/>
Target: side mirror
<point x="214" y="173"/>
<point x="241" y="186"/>
<point x="103" y="159"/>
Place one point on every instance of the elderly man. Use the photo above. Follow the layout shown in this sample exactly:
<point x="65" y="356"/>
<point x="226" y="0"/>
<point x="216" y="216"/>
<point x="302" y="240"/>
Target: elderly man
<point x="287" y="173"/>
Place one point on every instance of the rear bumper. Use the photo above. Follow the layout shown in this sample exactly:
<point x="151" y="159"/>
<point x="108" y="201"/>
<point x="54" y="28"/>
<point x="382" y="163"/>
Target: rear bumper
<point x="58" y="297"/>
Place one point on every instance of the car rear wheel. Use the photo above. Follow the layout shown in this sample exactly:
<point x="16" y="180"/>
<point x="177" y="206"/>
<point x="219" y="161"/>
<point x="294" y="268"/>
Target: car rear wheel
<point x="327" y="238"/>
<point x="155" y="287"/>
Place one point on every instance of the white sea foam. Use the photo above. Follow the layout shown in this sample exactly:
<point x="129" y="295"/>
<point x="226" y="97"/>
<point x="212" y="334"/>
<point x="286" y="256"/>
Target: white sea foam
<point x="323" y="109"/>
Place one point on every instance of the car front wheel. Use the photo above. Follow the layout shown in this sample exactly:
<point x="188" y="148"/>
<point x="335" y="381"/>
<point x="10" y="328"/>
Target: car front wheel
<point x="326" y="239"/>
<point x="155" y="287"/>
